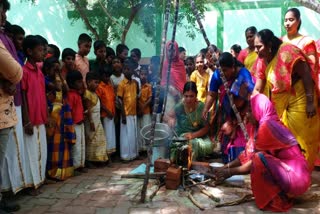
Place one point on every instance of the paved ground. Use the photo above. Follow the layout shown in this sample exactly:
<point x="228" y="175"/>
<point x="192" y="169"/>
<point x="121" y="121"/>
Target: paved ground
<point x="102" y="191"/>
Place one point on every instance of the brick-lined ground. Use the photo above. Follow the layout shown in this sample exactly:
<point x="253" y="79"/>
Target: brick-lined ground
<point x="102" y="191"/>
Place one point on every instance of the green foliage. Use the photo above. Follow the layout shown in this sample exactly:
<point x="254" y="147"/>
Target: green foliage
<point x="120" y="11"/>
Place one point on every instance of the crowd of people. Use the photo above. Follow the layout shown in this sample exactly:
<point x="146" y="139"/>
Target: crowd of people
<point x="61" y="117"/>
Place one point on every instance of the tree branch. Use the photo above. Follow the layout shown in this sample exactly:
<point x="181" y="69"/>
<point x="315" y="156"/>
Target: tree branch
<point x="311" y="4"/>
<point x="134" y="12"/>
<point x="85" y="18"/>
<point x="108" y="14"/>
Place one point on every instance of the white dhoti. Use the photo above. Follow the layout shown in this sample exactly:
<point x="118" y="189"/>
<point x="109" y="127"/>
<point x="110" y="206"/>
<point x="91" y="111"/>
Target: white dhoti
<point x="143" y="121"/>
<point x="128" y="139"/>
<point x="79" y="148"/>
<point x="14" y="169"/>
<point x="110" y="132"/>
<point x="36" y="156"/>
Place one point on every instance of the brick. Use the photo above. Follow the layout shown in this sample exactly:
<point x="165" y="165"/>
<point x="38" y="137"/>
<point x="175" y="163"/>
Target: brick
<point x="161" y="165"/>
<point x="60" y="205"/>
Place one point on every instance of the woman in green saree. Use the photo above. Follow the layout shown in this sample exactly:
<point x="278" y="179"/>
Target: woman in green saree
<point x="188" y="123"/>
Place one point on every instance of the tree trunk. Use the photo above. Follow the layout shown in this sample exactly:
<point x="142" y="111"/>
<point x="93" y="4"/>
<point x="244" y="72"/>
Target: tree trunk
<point x="85" y="19"/>
<point x="134" y="11"/>
<point x="311" y="4"/>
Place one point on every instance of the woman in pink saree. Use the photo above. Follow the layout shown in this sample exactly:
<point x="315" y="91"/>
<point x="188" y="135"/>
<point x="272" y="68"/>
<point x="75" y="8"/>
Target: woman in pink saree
<point x="279" y="172"/>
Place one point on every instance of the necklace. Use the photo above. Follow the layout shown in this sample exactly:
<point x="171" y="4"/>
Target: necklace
<point x="194" y="123"/>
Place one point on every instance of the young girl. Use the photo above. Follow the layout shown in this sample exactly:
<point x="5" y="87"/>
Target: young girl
<point x="34" y="113"/>
<point x="96" y="145"/>
<point x="201" y="78"/>
<point x="75" y="84"/>
<point x="60" y="133"/>
<point x="144" y="110"/>
<point x="105" y="91"/>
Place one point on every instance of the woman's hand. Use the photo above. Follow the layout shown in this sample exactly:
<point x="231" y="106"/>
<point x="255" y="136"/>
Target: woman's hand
<point x="171" y="122"/>
<point x="222" y="174"/>
<point x="188" y="136"/>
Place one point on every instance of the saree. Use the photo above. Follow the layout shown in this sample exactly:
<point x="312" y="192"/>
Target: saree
<point x="248" y="58"/>
<point x="96" y="145"/>
<point x="60" y="139"/>
<point x="279" y="170"/>
<point x="290" y="100"/>
<point x="192" y="122"/>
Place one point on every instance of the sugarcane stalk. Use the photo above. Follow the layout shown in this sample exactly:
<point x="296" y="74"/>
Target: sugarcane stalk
<point x="154" y="175"/>
<point x="197" y="15"/>
<point x="224" y="80"/>
<point x="243" y="199"/>
<point x="176" y="13"/>
<point x="156" y="104"/>
<point x="233" y="106"/>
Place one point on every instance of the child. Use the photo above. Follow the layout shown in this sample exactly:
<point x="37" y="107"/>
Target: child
<point x="117" y="75"/>
<point x="100" y="52"/>
<point x="122" y="52"/>
<point x="105" y="91"/>
<point x="96" y="145"/>
<point x="127" y="94"/>
<point x="110" y="54"/>
<point x="201" y="78"/>
<point x="68" y="58"/>
<point x="34" y="112"/>
<point x="60" y="133"/>
<point x="75" y="84"/>
<point x="81" y="61"/>
<point x="190" y="67"/>
<point x="144" y="106"/>
<point x="17" y="37"/>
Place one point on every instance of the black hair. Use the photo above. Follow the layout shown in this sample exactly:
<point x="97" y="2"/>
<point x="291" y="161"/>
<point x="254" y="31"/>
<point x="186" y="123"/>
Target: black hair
<point x="120" y="48"/>
<point x="181" y="49"/>
<point x="227" y="60"/>
<point x="31" y="42"/>
<point x="92" y="75"/>
<point x="199" y="55"/>
<point x="16" y="30"/>
<point x="68" y="52"/>
<point x="43" y="40"/>
<point x="72" y="77"/>
<point x="191" y="58"/>
<point x="137" y="52"/>
<point x="110" y="52"/>
<point x="130" y="63"/>
<point x="5" y="4"/>
<point x="251" y="29"/>
<point x="190" y="86"/>
<point x="99" y="44"/>
<point x="297" y="15"/>
<point x="48" y="63"/>
<point x="84" y="38"/>
<point x="104" y="70"/>
<point x="236" y="48"/>
<point x="7" y="27"/>
<point x="204" y="51"/>
<point x="268" y="38"/>
<point x="56" y="51"/>
<point x="214" y="48"/>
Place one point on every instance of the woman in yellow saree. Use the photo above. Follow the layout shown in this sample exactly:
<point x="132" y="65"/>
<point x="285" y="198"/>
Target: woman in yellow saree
<point x="248" y="56"/>
<point x="292" y="24"/>
<point x="291" y="90"/>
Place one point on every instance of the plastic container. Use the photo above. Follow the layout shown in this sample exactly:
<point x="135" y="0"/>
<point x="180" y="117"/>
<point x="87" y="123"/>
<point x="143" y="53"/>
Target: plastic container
<point x="162" y="136"/>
